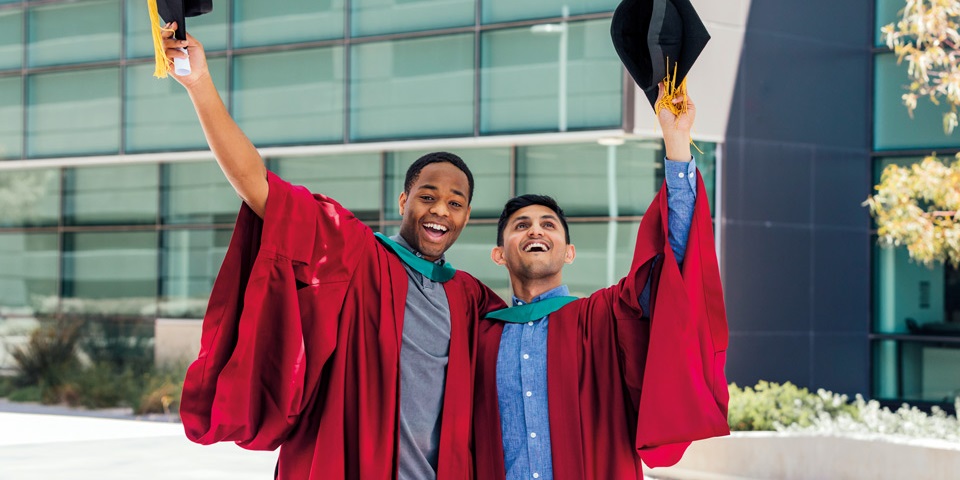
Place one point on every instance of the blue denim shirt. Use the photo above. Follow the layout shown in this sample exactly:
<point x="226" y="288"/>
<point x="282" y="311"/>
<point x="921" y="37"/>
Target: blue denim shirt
<point x="522" y="359"/>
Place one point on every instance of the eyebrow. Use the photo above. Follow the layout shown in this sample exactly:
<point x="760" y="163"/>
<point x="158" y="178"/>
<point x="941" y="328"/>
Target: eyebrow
<point x="427" y="186"/>
<point x="526" y="217"/>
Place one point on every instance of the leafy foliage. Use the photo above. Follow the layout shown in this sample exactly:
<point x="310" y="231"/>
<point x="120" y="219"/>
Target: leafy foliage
<point x="94" y="363"/>
<point x="787" y="408"/>
<point x="769" y="404"/>
<point x="919" y="207"/>
<point x="927" y="37"/>
<point x="49" y="356"/>
<point x="872" y="419"/>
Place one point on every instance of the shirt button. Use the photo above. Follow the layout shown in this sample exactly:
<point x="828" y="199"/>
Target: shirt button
<point x="530" y="323"/>
<point x="536" y="475"/>
<point x="529" y="394"/>
<point x="533" y="434"/>
<point x="682" y="175"/>
<point x="526" y="356"/>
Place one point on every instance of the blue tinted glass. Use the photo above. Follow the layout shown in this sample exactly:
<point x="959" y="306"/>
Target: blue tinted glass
<point x="377" y="17"/>
<point x="257" y="22"/>
<point x="412" y="88"/>
<point x="65" y="33"/>
<point x="290" y="97"/>
<point x="553" y="77"/>
<point x="892" y="127"/>
<point x="73" y="113"/>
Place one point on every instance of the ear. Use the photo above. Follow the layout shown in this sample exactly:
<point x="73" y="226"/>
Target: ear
<point x="402" y="201"/>
<point x="497" y="256"/>
<point x="570" y="254"/>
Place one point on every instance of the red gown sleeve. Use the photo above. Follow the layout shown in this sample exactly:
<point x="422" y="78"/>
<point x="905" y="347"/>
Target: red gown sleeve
<point x="673" y="366"/>
<point x="262" y="348"/>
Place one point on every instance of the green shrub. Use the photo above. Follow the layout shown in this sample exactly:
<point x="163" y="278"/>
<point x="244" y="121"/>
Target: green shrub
<point x="50" y="355"/>
<point x="102" y="385"/>
<point x="6" y="386"/>
<point x="122" y="343"/>
<point x="768" y="405"/>
<point x="26" y="394"/>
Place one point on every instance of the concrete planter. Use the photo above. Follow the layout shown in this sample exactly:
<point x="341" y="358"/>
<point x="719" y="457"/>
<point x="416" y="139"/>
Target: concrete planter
<point x="771" y="455"/>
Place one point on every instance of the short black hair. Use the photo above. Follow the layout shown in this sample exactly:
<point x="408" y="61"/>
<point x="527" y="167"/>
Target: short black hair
<point x="524" y="201"/>
<point x="436" y="157"/>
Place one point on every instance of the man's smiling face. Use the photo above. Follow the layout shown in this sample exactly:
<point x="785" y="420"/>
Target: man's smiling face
<point x="534" y="244"/>
<point x="435" y="210"/>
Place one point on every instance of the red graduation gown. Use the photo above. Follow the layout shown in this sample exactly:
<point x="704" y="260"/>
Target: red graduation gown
<point x="301" y="346"/>
<point x="621" y="389"/>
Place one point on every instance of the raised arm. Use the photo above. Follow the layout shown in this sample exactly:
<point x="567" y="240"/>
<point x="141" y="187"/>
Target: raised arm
<point x="236" y="155"/>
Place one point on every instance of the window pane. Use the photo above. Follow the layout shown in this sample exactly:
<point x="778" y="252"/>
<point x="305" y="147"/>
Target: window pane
<point x="159" y="114"/>
<point x="263" y="23"/>
<point x="604" y="254"/>
<point x="508" y="10"/>
<point x="376" y="17"/>
<point x="913" y="298"/>
<point x="209" y="28"/>
<point x="471" y="253"/>
<point x="28" y="273"/>
<point x="74" y="33"/>
<point x="912" y="371"/>
<point x="110" y="273"/>
<point x="11" y="117"/>
<point x="198" y="193"/>
<point x="491" y="175"/>
<point x="579" y="176"/>
<point x="54" y="100"/>
<point x="565" y="78"/>
<point x="351" y="180"/>
<point x="412" y="88"/>
<point x="707" y="164"/>
<point x="112" y="195"/>
<point x="893" y="128"/>
<point x="11" y="38"/>
<point x="290" y="97"/>
<point x="29" y="198"/>
<point x="191" y="260"/>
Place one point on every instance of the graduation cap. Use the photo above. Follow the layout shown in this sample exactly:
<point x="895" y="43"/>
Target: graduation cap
<point x="658" y="40"/>
<point x="173" y="11"/>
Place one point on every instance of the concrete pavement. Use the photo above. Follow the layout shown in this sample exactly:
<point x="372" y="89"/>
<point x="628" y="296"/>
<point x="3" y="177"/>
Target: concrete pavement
<point x="42" y="446"/>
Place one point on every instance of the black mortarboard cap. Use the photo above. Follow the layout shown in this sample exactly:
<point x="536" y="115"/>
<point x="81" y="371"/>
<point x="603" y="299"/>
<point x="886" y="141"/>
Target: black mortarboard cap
<point x="648" y="33"/>
<point x="177" y="10"/>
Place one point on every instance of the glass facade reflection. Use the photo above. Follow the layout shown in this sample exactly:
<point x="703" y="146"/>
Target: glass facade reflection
<point x="915" y="332"/>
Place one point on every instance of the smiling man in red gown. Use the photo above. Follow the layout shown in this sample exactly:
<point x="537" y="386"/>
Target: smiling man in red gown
<point x="350" y="351"/>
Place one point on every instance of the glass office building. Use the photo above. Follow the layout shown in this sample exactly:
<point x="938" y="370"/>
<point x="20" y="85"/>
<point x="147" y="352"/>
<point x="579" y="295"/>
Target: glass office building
<point x="112" y="208"/>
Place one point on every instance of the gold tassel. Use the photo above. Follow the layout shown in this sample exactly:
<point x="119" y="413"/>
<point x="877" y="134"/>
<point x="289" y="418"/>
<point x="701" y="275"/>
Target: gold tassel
<point x="159" y="54"/>
<point x="672" y="91"/>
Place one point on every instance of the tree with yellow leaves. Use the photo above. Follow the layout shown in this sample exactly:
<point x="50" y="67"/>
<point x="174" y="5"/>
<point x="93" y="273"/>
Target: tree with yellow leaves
<point x="919" y="207"/>
<point x="928" y="38"/>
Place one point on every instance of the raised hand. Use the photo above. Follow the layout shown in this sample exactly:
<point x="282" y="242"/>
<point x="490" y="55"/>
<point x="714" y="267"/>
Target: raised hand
<point x="676" y="128"/>
<point x="198" y="59"/>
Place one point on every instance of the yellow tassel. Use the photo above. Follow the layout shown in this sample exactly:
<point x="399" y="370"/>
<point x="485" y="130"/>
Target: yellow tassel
<point x="159" y="53"/>
<point x="672" y="91"/>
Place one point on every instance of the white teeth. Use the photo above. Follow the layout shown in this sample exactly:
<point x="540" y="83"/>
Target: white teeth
<point x="531" y="246"/>
<point x="435" y="226"/>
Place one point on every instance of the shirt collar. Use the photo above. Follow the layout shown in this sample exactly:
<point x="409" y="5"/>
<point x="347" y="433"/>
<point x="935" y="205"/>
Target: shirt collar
<point x="560" y="291"/>
<point x="403" y="243"/>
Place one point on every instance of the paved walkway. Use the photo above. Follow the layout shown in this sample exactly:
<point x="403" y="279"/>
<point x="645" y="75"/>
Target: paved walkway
<point x="44" y="446"/>
<point x="54" y="443"/>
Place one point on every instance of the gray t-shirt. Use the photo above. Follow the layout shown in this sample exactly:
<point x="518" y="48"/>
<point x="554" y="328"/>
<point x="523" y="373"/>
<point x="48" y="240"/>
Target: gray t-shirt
<point x="423" y="372"/>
